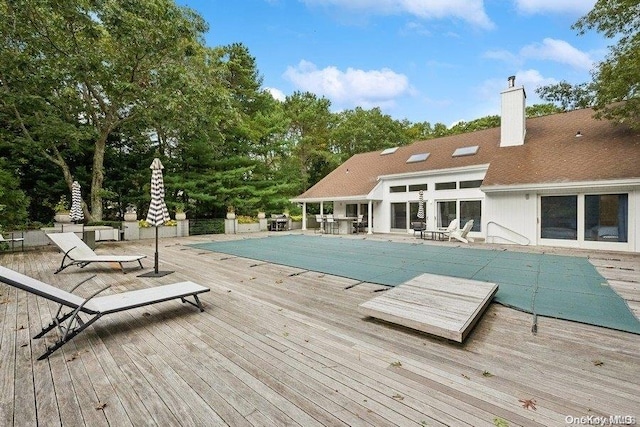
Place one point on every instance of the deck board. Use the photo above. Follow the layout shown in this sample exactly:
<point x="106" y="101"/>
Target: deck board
<point x="280" y="346"/>
<point x="444" y="306"/>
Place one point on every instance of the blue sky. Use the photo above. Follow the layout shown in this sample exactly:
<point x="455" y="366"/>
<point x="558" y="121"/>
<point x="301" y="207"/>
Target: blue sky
<point x="421" y="60"/>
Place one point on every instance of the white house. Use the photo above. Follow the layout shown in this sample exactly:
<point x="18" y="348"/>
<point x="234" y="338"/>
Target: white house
<point x="563" y="180"/>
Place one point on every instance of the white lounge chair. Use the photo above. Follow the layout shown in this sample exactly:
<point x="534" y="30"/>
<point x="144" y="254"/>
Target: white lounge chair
<point x="78" y="253"/>
<point x="461" y="235"/>
<point x="453" y="226"/>
<point x="70" y="324"/>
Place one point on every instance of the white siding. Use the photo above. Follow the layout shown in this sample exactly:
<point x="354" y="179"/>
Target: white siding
<point x="511" y="218"/>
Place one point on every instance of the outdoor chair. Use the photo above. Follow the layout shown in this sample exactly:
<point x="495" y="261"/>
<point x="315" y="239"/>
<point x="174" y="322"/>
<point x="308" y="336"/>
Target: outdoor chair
<point x="70" y="324"/>
<point x="11" y="240"/>
<point x="331" y="225"/>
<point x="461" y="235"/>
<point x="418" y="227"/>
<point x="78" y="253"/>
<point x="319" y="220"/>
<point x="358" y="224"/>
<point x="453" y="226"/>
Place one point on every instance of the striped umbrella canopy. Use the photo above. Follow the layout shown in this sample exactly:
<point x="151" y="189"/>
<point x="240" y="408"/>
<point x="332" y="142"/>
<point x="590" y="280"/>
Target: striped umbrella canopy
<point x="158" y="213"/>
<point x="76" y="213"/>
<point x="421" y="205"/>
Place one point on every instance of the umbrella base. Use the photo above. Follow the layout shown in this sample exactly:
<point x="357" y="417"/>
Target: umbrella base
<point x="155" y="274"/>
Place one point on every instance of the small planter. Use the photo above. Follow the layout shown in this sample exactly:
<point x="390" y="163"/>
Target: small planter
<point x="130" y="216"/>
<point x="262" y="215"/>
<point x="231" y="215"/>
<point x="63" y="217"/>
<point x="181" y="216"/>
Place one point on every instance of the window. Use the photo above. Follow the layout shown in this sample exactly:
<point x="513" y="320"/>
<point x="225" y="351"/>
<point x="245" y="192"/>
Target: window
<point x="418" y="158"/>
<point x="418" y="187"/>
<point x="388" y="151"/>
<point x="471" y="184"/>
<point x="471" y="210"/>
<point x="398" y="189"/>
<point x="445" y="185"/>
<point x="399" y="215"/>
<point x="559" y="217"/>
<point x="465" y="151"/>
<point x="352" y="209"/>
<point x="446" y="213"/>
<point x="606" y="217"/>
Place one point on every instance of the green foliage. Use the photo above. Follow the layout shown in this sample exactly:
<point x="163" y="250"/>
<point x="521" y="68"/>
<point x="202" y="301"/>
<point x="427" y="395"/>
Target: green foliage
<point x="617" y="78"/>
<point x="359" y="131"/>
<point x="62" y="205"/>
<point x="568" y="96"/>
<point x="13" y="201"/>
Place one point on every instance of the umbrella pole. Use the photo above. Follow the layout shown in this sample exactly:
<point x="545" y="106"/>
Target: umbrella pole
<point x="156" y="254"/>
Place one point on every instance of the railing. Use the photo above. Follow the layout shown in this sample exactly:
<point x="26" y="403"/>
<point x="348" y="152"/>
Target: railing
<point x="524" y="240"/>
<point x="206" y="226"/>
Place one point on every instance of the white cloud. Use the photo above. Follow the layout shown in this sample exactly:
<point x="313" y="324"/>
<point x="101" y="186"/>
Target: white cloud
<point x="471" y="11"/>
<point x="488" y="93"/>
<point x="558" y="51"/>
<point x="557" y="6"/>
<point x="502" y="55"/>
<point x="276" y="93"/>
<point x="550" y="50"/>
<point x="352" y="87"/>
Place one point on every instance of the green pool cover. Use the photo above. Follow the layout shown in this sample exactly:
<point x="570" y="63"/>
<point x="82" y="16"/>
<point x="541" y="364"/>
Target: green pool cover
<point x="563" y="287"/>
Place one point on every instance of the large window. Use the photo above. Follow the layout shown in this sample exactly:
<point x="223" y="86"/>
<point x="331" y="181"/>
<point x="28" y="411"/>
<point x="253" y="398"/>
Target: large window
<point x="446" y="185"/>
<point x="606" y="217"/>
<point x="471" y="210"/>
<point x="352" y="209"/>
<point x="418" y="187"/>
<point x="399" y="215"/>
<point x="559" y="217"/>
<point x="446" y="213"/>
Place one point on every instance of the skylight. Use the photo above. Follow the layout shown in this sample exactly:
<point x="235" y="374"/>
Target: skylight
<point x="465" y="151"/>
<point x="418" y="158"/>
<point x="388" y="151"/>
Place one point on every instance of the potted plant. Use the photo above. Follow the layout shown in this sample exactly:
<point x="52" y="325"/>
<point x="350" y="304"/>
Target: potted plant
<point x="261" y="214"/>
<point x="61" y="209"/>
<point x="131" y="214"/>
<point x="181" y="215"/>
<point x="231" y="212"/>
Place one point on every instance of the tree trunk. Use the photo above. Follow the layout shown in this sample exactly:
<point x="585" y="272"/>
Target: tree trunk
<point x="97" y="178"/>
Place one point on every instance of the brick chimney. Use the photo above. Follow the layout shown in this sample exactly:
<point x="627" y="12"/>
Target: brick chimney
<point x="512" y="118"/>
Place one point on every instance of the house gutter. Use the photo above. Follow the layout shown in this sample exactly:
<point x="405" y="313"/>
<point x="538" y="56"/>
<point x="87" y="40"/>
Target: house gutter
<point x="580" y="185"/>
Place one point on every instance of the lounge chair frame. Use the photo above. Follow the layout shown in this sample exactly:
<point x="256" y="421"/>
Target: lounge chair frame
<point x="69" y="323"/>
<point x="85" y="254"/>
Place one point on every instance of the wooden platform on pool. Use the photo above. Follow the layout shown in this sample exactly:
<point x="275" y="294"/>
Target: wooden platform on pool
<point x="445" y="306"/>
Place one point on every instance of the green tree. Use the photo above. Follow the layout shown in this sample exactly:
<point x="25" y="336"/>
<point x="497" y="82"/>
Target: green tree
<point x="307" y="137"/>
<point x="360" y="130"/>
<point x="74" y="72"/>
<point x="568" y="96"/>
<point x="538" y="110"/>
<point x="13" y="201"/>
<point x="617" y="78"/>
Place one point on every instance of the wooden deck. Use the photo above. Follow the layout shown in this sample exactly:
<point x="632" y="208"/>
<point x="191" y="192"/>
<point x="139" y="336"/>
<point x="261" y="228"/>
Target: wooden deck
<point x="278" y="346"/>
<point x="444" y="306"/>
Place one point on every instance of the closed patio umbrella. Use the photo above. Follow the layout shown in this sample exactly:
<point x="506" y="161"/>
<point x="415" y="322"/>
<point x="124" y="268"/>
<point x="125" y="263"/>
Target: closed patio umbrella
<point x="158" y="213"/>
<point x="421" y="204"/>
<point x="76" y="213"/>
